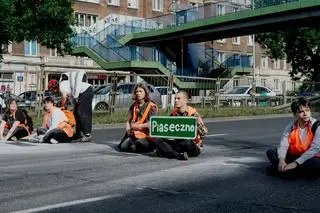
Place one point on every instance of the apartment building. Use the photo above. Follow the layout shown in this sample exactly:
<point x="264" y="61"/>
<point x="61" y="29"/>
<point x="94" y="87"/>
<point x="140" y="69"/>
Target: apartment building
<point x="28" y="65"/>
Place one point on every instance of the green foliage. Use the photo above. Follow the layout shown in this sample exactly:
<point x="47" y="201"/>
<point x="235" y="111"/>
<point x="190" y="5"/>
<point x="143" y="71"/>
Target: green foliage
<point x="300" y="46"/>
<point x="46" y="21"/>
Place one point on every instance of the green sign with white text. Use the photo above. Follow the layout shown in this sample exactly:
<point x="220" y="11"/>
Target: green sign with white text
<point x="175" y="127"/>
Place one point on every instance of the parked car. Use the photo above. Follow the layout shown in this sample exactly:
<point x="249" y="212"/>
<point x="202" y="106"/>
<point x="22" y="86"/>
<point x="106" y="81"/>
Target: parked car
<point x="22" y="104"/>
<point x="123" y="96"/>
<point x="163" y="90"/>
<point x="32" y="99"/>
<point x="238" y="94"/>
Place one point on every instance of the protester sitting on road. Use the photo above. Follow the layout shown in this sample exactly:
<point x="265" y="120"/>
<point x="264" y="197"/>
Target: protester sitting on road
<point x="179" y="148"/>
<point x="56" y="128"/>
<point x="14" y="123"/>
<point x="298" y="153"/>
<point x="73" y="88"/>
<point x="137" y="127"/>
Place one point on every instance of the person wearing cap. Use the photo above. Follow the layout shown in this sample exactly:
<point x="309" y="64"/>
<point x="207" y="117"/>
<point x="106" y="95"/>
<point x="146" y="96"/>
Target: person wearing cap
<point x="73" y="88"/>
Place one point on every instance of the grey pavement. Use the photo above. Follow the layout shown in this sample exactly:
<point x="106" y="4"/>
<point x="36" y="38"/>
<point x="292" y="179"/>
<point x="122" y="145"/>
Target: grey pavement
<point x="229" y="176"/>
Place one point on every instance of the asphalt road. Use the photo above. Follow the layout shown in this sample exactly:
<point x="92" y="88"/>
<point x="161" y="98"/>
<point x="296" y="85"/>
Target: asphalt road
<point x="229" y="176"/>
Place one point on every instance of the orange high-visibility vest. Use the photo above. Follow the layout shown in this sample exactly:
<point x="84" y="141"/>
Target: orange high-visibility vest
<point x="143" y="133"/>
<point x="63" y="125"/>
<point x="296" y="145"/>
<point x="190" y="112"/>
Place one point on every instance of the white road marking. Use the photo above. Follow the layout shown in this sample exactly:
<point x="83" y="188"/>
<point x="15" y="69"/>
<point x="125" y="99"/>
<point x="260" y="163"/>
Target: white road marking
<point x="67" y="204"/>
<point x="215" y="135"/>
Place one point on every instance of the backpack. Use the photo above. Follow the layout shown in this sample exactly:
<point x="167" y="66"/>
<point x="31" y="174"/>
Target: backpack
<point x="29" y="121"/>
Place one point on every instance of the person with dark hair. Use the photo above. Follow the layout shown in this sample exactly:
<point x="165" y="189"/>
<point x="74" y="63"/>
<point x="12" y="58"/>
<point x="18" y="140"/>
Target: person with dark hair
<point x="182" y="149"/>
<point x="299" y="151"/>
<point x="14" y="123"/>
<point x="56" y="128"/>
<point x="137" y="127"/>
<point x="73" y="88"/>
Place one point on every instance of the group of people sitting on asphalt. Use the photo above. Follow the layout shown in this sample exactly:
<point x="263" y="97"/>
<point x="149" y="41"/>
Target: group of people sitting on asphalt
<point x="298" y="153"/>
<point x="137" y="137"/>
<point x="60" y="124"/>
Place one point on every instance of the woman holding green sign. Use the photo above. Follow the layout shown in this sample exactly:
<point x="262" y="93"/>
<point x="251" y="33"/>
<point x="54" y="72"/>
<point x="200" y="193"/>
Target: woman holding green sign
<point x="137" y="137"/>
<point x="179" y="148"/>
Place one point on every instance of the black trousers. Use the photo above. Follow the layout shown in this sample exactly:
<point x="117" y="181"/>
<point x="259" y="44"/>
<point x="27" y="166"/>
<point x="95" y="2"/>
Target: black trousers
<point x="83" y="113"/>
<point x="19" y="132"/>
<point x="132" y="144"/>
<point x="310" y="167"/>
<point x="173" y="148"/>
<point x="56" y="134"/>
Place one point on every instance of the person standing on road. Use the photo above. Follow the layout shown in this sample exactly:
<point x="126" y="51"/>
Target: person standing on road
<point x="299" y="151"/>
<point x="14" y="124"/>
<point x="137" y="127"/>
<point x="179" y="148"/>
<point x="73" y="88"/>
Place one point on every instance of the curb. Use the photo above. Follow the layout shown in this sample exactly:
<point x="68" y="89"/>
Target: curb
<point x="208" y="120"/>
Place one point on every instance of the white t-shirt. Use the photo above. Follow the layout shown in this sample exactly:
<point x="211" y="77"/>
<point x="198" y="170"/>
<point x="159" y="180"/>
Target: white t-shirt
<point x="56" y="116"/>
<point x="65" y="87"/>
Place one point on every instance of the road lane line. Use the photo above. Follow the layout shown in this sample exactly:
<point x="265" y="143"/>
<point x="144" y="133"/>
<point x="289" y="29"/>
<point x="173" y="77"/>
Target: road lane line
<point x="67" y="204"/>
<point x="215" y="135"/>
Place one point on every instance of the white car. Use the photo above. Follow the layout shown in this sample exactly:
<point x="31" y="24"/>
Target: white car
<point x="239" y="93"/>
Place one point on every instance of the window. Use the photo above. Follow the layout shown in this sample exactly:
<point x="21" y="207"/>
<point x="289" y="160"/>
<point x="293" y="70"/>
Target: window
<point x="221" y="57"/>
<point x="250" y="60"/>
<point x="85" y="20"/>
<point x="276" y="64"/>
<point x="157" y="5"/>
<point x="236" y="82"/>
<point x="221" y="40"/>
<point x="276" y="84"/>
<point x="114" y="2"/>
<point x="30" y="48"/>
<point x="284" y="64"/>
<point x="263" y="82"/>
<point x="250" y="40"/>
<point x="133" y="4"/>
<point x="261" y="90"/>
<point x="91" y="1"/>
<point x="264" y="61"/>
<point x="220" y="10"/>
<point x="53" y="52"/>
<point x="236" y="40"/>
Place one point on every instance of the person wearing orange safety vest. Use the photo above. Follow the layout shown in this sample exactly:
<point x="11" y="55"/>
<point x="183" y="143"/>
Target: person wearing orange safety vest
<point x="14" y="123"/>
<point x="56" y="124"/>
<point x="137" y="127"/>
<point x="179" y="148"/>
<point x="299" y="151"/>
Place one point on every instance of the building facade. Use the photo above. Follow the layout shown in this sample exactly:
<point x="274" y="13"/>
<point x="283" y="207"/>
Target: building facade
<point x="29" y="66"/>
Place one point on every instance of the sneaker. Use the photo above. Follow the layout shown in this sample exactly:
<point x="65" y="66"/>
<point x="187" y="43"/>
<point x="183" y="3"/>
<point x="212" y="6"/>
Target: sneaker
<point x="85" y="138"/>
<point x="157" y="153"/>
<point x="183" y="156"/>
<point x="53" y="141"/>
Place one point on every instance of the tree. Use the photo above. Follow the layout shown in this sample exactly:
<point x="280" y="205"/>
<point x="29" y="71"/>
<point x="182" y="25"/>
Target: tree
<point x="46" y="21"/>
<point x="300" y="46"/>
